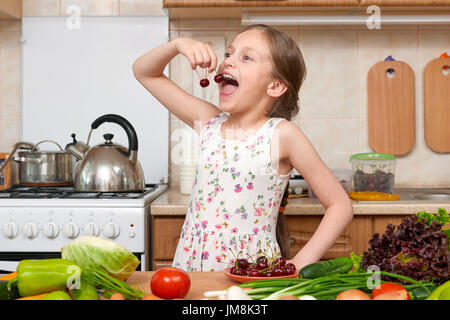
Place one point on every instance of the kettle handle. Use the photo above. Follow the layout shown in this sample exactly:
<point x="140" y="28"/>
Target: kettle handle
<point x="121" y="121"/>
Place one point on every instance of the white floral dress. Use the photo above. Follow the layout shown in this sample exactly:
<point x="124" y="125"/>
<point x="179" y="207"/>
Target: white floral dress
<point x="236" y="195"/>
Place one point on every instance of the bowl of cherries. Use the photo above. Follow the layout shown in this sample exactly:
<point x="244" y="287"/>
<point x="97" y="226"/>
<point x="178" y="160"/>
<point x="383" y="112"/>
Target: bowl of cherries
<point x="262" y="268"/>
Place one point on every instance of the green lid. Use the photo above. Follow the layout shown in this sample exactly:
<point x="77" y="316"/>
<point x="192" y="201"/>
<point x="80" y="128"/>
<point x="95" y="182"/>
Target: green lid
<point x="372" y="156"/>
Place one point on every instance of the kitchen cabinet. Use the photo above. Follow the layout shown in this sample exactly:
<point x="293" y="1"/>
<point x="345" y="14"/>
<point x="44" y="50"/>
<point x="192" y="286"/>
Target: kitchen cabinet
<point x="208" y="9"/>
<point x="355" y="238"/>
<point x="10" y="10"/>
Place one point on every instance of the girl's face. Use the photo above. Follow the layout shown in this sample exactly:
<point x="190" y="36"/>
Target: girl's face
<point x="248" y="61"/>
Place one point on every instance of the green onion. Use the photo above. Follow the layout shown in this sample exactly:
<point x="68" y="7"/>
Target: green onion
<point x="104" y="281"/>
<point x="320" y="288"/>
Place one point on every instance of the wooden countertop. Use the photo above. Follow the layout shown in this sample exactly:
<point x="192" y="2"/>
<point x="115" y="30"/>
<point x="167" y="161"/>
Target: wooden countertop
<point x="174" y="203"/>
<point x="200" y="282"/>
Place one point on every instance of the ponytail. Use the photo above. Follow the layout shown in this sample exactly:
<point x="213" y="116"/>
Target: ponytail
<point x="284" y="238"/>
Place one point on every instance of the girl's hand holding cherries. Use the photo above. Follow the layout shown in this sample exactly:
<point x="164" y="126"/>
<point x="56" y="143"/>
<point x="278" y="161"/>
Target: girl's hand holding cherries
<point x="201" y="55"/>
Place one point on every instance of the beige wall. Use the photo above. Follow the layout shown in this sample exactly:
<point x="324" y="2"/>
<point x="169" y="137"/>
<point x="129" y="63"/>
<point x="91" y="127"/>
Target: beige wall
<point x="333" y="100"/>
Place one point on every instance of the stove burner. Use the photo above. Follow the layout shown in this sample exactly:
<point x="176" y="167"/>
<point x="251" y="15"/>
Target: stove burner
<point x="25" y="192"/>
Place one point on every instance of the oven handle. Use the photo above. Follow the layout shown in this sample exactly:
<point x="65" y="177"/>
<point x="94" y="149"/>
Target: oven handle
<point x="10" y="266"/>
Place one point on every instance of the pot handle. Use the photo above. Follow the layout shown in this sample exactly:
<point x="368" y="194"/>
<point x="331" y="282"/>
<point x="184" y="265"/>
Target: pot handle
<point x="131" y="133"/>
<point x="18" y="145"/>
<point x="35" y="146"/>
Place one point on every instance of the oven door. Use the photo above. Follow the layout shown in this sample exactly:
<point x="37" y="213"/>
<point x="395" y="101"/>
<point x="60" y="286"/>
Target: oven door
<point x="10" y="260"/>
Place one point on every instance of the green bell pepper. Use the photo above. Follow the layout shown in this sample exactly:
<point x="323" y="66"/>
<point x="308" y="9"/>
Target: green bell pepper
<point x="57" y="295"/>
<point x="86" y="291"/>
<point x="40" y="276"/>
<point x="437" y="292"/>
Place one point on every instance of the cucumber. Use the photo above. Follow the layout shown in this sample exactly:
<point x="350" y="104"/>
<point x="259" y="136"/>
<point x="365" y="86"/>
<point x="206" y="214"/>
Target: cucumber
<point x="323" y="268"/>
<point x="420" y="293"/>
<point x="5" y="294"/>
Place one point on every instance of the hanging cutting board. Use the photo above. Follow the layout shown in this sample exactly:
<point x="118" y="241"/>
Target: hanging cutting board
<point x="437" y="104"/>
<point x="391" y="109"/>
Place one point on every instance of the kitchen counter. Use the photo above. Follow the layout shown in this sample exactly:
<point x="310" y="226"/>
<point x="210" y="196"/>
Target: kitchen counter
<point x="200" y="282"/>
<point x="172" y="202"/>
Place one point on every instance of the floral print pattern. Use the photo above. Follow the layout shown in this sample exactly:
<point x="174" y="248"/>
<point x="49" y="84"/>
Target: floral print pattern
<point x="233" y="207"/>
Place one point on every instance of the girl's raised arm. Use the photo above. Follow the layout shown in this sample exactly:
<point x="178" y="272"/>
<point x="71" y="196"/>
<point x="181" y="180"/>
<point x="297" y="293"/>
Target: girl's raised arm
<point x="148" y="70"/>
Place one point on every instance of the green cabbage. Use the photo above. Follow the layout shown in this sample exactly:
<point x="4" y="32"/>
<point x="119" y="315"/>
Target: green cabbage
<point x="98" y="253"/>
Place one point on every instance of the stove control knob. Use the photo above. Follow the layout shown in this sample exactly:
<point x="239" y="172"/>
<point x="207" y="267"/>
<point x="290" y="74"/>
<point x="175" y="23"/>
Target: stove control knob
<point x="51" y="230"/>
<point x="91" y="229"/>
<point x="70" y="230"/>
<point x="111" y="230"/>
<point x="30" y="229"/>
<point x="10" y="230"/>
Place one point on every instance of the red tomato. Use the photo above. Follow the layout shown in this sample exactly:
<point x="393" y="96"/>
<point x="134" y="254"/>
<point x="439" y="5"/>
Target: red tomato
<point x="170" y="283"/>
<point x="390" y="291"/>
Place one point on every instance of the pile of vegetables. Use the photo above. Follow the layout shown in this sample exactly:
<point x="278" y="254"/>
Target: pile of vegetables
<point x="91" y="268"/>
<point x="326" y="280"/>
<point x="410" y="261"/>
<point x="417" y="248"/>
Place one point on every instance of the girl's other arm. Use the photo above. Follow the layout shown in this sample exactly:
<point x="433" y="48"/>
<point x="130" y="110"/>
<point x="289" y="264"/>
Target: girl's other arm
<point x="148" y="70"/>
<point x="339" y="212"/>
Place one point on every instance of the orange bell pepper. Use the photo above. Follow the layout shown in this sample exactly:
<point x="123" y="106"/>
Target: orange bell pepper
<point x="373" y="196"/>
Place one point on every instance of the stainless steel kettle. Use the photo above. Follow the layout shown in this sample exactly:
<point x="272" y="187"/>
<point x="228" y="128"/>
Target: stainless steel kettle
<point x="108" y="167"/>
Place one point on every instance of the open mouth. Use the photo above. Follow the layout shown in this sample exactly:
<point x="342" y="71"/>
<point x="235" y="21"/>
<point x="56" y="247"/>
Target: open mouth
<point x="229" y="84"/>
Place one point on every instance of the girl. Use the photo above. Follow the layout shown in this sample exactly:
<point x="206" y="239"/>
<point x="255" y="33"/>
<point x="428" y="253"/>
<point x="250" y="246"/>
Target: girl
<point x="245" y="157"/>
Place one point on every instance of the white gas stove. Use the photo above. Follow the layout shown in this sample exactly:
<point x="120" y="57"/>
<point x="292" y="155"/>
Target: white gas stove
<point x="36" y="222"/>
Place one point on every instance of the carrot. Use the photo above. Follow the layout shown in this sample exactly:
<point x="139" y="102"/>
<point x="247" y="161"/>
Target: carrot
<point x="116" y="296"/>
<point x="36" y="297"/>
<point x="9" y="276"/>
<point x="151" y="297"/>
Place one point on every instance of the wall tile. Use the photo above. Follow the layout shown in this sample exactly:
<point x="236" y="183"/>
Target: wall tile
<point x="330" y="87"/>
<point x="408" y="165"/>
<point x="141" y="8"/>
<point x="10" y="26"/>
<point x="334" y="139"/>
<point x="10" y="133"/>
<point x="41" y="7"/>
<point x="91" y="8"/>
<point x="10" y="76"/>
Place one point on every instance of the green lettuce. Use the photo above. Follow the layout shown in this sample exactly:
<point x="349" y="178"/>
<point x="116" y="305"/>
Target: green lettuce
<point x="97" y="253"/>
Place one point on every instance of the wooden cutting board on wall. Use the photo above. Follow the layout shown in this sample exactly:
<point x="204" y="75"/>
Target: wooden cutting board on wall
<point x="391" y="107"/>
<point x="437" y="104"/>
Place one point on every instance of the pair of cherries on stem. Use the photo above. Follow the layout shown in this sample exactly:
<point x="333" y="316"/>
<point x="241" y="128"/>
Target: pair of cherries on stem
<point x="205" y="82"/>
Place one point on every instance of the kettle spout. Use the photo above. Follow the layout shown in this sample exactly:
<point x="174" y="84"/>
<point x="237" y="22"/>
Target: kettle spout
<point x="76" y="148"/>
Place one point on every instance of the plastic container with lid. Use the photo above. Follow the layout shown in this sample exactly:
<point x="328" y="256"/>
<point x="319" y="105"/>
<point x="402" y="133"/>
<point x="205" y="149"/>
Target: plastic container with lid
<point x="373" y="171"/>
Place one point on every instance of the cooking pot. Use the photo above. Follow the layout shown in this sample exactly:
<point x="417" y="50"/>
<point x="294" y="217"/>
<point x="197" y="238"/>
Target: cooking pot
<point x="42" y="168"/>
<point x="108" y="167"/>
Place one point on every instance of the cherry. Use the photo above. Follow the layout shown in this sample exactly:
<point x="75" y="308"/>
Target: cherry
<point x="204" y="83"/>
<point x="246" y="272"/>
<point x="281" y="262"/>
<point x="268" y="274"/>
<point x="277" y="272"/>
<point x="242" y="263"/>
<point x="261" y="258"/>
<point x="218" y="78"/>
<point x="262" y="265"/>
<point x="290" y="265"/>
<point x="253" y="273"/>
